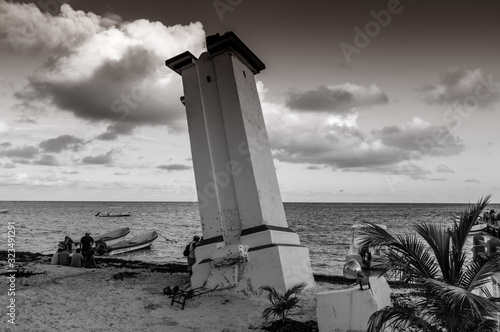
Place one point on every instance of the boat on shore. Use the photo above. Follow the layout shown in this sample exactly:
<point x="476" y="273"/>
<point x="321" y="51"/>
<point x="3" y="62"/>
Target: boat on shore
<point x="4" y="210"/>
<point x="114" y="212"/>
<point x="114" y="236"/>
<point x="141" y="241"/>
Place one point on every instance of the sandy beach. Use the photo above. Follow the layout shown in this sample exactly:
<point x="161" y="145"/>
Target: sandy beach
<point x="128" y="297"/>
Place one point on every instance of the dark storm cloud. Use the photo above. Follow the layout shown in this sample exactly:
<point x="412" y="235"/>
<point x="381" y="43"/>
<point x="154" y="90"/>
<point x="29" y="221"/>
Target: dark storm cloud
<point x="466" y="88"/>
<point x="46" y="160"/>
<point x="174" y="167"/>
<point x="25" y="152"/>
<point x="100" y="68"/>
<point x="335" y="99"/>
<point x="61" y="143"/>
<point x="103" y="159"/>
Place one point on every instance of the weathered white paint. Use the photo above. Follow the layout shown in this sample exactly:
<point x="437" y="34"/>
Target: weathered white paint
<point x="349" y="309"/>
<point x="236" y="181"/>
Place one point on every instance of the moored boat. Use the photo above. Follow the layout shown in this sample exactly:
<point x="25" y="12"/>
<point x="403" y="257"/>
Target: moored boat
<point x="138" y="242"/>
<point x="114" y="236"/>
<point x="114" y="212"/>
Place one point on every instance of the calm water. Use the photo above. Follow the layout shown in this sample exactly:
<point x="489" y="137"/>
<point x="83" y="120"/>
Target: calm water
<point x="322" y="227"/>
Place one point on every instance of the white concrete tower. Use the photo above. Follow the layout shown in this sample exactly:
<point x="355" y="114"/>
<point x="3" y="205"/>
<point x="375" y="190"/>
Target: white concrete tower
<point x="246" y="240"/>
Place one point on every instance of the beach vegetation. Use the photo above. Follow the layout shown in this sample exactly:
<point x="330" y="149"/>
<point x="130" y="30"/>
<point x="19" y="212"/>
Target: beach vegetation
<point x="449" y="290"/>
<point x="281" y="304"/>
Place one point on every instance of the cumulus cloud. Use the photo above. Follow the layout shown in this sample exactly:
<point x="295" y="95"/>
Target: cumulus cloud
<point x="174" y="167"/>
<point x="421" y="137"/>
<point x="338" y="99"/>
<point x="101" y="67"/>
<point x="444" y="169"/>
<point x="61" y="143"/>
<point x="69" y="172"/>
<point x="115" y="129"/>
<point x="103" y="159"/>
<point x="334" y="140"/>
<point x="46" y="160"/>
<point x="25" y="152"/>
<point x="8" y="165"/>
<point x="467" y="88"/>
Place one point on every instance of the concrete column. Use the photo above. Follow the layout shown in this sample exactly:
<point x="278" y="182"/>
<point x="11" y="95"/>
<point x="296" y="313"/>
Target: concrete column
<point x="247" y="242"/>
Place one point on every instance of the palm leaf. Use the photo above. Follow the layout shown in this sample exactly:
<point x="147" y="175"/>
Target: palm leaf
<point x="399" y="317"/>
<point x="438" y="238"/>
<point x="479" y="273"/>
<point x="458" y="298"/>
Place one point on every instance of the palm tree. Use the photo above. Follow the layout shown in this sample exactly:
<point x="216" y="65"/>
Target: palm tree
<point x="441" y="276"/>
<point x="281" y="304"/>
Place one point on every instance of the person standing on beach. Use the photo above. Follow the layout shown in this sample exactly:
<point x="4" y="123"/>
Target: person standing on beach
<point x="191" y="258"/>
<point x="86" y="242"/>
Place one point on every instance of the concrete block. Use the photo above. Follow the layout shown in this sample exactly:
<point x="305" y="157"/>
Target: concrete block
<point x="348" y="310"/>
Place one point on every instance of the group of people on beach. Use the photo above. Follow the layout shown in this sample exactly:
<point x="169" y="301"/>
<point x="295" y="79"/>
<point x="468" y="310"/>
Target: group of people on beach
<point x="83" y="257"/>
<point x="491" y="218"/>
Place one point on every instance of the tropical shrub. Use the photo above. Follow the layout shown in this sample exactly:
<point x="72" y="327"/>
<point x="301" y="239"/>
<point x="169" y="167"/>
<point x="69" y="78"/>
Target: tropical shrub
<point x="446" y="283"/>
<point x="281" y="304"/>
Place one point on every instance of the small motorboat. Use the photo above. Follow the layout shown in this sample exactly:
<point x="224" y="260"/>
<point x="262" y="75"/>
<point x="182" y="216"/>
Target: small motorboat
<point x="114" y="212"/>
<point x="4" y="210"/>
<point x="478" y="229"/>
<point x="479" y="225"/>
<point x="356" y="251"/>
<point x="113" y="236"/>
<point x="138" y="242"/>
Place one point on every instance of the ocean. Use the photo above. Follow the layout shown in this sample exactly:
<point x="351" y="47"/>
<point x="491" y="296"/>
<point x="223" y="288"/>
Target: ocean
<point x="323" y="227"/>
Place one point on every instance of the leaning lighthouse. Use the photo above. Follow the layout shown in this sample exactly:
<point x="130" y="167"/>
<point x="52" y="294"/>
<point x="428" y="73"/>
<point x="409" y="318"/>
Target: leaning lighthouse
<point x="246" y="240"/>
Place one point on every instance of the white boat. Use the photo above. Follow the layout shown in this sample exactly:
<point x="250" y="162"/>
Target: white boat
<point x="4" y="210"/>
<point x="113" y="212"/>
<point x="113" y="236"/>
<point x="479" y="226"/>
<point x="478" y="229"/>
<point x="139" y="242"/>
<point x="355" y="248"/>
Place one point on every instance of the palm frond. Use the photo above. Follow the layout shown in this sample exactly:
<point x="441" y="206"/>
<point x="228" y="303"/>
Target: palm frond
<point x="399" y="317"/>
<point x="406" y="248"/>
<point x="458" y="298"/>
<point x="462" y="228"/>
<point x="437" y="237"/>
<point x="295" y="290"/>
<point x="479" y="273"/>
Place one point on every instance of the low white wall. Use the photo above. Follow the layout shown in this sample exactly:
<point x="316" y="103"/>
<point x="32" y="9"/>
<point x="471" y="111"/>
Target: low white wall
<point x="349" y="309"/>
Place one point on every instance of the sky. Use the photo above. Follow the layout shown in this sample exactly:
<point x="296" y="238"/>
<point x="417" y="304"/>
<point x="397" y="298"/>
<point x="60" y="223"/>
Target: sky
<point x="364" y="101"/>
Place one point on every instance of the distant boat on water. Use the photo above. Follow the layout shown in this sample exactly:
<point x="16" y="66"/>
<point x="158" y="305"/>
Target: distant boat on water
<point x="113" y="213"/>
<point x="4" y="210"/>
